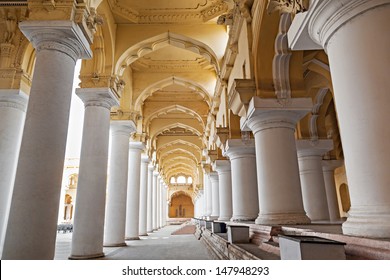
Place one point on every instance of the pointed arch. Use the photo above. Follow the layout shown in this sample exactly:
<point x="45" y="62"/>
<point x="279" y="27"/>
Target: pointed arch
<point x="165" y="39"/>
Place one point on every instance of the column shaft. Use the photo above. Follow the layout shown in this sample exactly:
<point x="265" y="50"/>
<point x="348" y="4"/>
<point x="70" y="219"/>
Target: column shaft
<point x="328" y="167"/>
<point x="87" y="238"/>
<point x="133" y="190"/>
<point x="115" y="220"/>
<point x="361" y="88"/>
<point x="44" y="138"/>
<point x="245" y="200"/>
<point x="280" y="192"/>
<point x="13" y="104"/>
<point x="149" y="226"/>
<point x="312" y="177"/>
<point x="155" y="182"/>
<point x="143" y="196"/>
<point x="225" y="189"/>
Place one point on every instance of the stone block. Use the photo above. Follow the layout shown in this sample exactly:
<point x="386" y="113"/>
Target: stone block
<point x="238" y="234"/>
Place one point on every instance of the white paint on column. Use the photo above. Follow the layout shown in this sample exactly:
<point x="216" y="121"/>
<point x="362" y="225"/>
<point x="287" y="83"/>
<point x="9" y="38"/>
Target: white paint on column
<point x="44" y="139"/>
<point x="273" y="126"/>
<point x="215" y="194"/>
<point x="154" y="197"/>
<point x="115" y="219"/>
<point x="88" y="233"/>
<point x="328" y="167"/>
<point x="13" y="104"/>
<point x="149" y="226"/>
<point x="143" y="196"/>
<point x="245" y="201"/>
<point x="133" y="190"/>
<point x="225" y="189"/>
<point x="312" y="177"/>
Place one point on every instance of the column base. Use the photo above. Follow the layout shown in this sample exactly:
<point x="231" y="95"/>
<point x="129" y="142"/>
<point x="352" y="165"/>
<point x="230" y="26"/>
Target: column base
<point x="132" y="238"/>
<point x="86" y="257"/>
<point x="143" y="234"/>
<point x="122" y="244"/>
<point x="282" y="219"/>
<point x="243" y="218"/>
<point x="365" y="222"/>
<point x="224" y="219"/>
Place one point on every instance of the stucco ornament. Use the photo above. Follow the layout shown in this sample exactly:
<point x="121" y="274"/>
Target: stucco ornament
<point x="287" y="6"/>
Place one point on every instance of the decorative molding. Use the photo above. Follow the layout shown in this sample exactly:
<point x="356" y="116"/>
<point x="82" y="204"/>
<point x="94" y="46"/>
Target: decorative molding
<point x="319" y="100"/>
<point x="178" y="16"/>
<point x="281" y="61"/>
<point x="287" y="6"/>
<point x="13" y="98"/>
<point x="116" y="84"/>
<point x="241" y="92"/>
<point x="100" y="97"/>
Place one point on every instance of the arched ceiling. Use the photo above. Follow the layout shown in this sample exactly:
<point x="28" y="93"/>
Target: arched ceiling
<point x="168" y="53"/>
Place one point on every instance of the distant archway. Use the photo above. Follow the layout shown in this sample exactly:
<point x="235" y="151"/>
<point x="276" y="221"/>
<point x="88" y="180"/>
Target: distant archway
<point x="181" y="206"/>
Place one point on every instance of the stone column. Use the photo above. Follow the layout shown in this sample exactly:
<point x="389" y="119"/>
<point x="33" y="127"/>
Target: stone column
<point x="280" y="192"/>
<point x="154" y="197"/>
<point x="143" y="205"/>
<point x="350" y="29"/>
<point x="149" y="224"/>
<point x="208" y="194"/>
<point x="133" y="190"/>
<point x="115" y="220"/>
<point x="37" y="187"/>
<point x="312" y="178"/>
<point x="225" y="189"/>
<point x="13" y="104"/>
<point x="158" y="193"/>
<point x="87" y="238"/>
<point x="245" y="199"/>
<point x="328" y="167"/>
<point x="215" y="195"/>
<point x="162" y="205"/>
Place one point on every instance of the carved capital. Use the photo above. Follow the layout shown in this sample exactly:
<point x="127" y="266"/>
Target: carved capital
<point x="287" y="6"/>
<point x="120" y="114"/>
<point x="100" y="97"/>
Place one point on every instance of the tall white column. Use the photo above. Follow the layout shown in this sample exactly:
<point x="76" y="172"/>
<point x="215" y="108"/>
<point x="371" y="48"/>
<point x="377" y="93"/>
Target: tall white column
<point x="13" y="104"/>
<point x="149" y="223"/>
<point x="351" y="29"/>
<point x="200" y="204"/>
<point x="162" y="204"/>
<point x="312" y="177"/>
<point x="280" y="192"/>
<point x="154" y="197"/>
<point x="245" y="200"/>
<point x="225" y="189"/>
<point x="133" y="190"/>
<point x="58" y="46"/>
<point x="158" y="192"/>
<point x="215" y="194"/>
<point x="208" y="192"/>
<point x="328" y="167"/>
<point x="115" y="220"/>
<point x="87" y="238"/>
<point x="143" y="205"/>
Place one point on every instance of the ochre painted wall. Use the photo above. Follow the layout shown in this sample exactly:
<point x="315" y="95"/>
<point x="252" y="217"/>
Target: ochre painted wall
<point x="183" y="203"/>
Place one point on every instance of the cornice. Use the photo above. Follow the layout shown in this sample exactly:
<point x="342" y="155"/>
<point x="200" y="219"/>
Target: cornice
<point x="164" y="16"/>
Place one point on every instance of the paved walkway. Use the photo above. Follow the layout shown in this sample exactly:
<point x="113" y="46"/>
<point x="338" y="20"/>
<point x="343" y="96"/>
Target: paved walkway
<point x="160" y="245"/>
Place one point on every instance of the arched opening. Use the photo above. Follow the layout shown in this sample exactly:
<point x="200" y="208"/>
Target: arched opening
<point x="344" y="197"/>
<point x="181" y="206"/>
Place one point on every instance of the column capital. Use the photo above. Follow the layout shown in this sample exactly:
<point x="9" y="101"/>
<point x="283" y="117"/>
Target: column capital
<point x="222" y="166"/>
<point x="330" y="165"/>
<point x="14" y="98"/>
<point x="145" y="159"/>
<point x="150" y="167"/>
<point x="271" y="113"/>
<point x="237" y="148"/>
<point x="123" y="127"/>
<point x="136" y="146"/>
<point x="314" y="28"/>
<point x="100" y="97"/>
<point x="60" y="35"/>
<point x="307" y="148"/>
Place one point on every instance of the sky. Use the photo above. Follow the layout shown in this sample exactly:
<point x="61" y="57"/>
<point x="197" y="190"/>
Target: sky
<point x="73" y="143"/>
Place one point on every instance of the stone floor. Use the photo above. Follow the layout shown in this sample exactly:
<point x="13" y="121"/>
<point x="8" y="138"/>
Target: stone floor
<point x="159" y="245"/>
